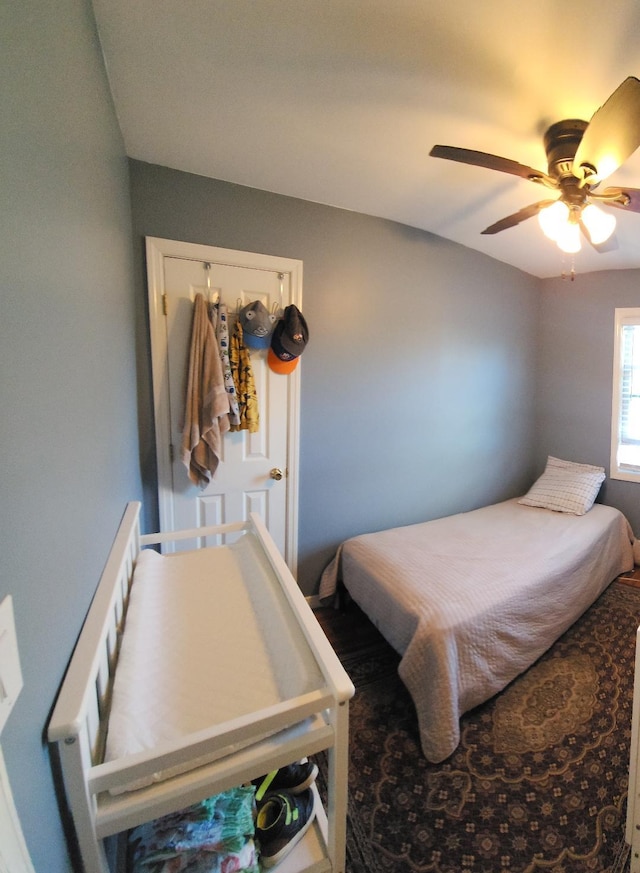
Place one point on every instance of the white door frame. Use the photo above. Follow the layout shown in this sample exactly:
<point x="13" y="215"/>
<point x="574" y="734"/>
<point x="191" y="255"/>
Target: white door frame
<point x="14" y="855"/>
<point x="157" y="249"/>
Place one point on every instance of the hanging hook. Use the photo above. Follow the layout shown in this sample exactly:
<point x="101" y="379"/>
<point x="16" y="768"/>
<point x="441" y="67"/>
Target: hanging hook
<point x="207" y="267"/>
<point x="212" y="297"/>
<point x="281" y="278"/>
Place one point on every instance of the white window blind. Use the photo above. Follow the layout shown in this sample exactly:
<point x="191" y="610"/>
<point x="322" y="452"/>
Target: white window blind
<point x="625" y="425"/>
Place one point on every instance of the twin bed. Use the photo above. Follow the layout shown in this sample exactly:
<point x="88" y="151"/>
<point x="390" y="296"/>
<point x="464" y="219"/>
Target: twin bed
<point x="470" y="601"/>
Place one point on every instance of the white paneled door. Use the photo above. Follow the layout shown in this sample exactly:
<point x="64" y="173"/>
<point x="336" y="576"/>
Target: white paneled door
<point x="258" y="471"/>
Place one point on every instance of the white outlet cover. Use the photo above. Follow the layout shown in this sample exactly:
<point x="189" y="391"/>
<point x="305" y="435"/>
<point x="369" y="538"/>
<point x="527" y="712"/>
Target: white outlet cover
<point x="10" y="672"/>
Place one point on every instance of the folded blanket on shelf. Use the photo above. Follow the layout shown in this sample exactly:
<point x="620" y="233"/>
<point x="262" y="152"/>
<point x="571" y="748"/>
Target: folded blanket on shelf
<point x="214" y="835"/>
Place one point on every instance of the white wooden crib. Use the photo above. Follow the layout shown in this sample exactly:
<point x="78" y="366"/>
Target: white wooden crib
<point x="219" y="756"/>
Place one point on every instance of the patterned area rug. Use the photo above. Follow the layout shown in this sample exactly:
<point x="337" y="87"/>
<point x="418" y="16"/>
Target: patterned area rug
<point x="539" y="780"/>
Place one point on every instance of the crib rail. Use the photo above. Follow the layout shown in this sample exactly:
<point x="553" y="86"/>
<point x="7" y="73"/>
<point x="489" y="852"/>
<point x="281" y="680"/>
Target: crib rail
<point x="207" y="745"/>
<point x="79" y="719"/>
<point x="116" y="812"/>
<point x="196" y="533"/>
<point x="329" y="663"/>
<point x="84" y="696"/>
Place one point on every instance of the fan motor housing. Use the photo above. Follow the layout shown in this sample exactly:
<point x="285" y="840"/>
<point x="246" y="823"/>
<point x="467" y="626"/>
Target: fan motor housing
<point x="561" y="142"/>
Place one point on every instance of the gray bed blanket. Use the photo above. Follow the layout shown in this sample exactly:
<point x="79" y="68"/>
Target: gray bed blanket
<point x="470" y="601"/>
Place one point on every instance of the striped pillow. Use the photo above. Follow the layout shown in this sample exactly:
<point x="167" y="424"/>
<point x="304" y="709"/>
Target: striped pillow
<point x="565" y="487"/>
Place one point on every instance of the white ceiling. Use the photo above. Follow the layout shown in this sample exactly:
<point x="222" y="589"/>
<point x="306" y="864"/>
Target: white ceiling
<point x="340" y="101"/>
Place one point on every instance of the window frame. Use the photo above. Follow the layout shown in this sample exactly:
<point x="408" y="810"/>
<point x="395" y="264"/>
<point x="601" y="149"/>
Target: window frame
<point x="617" y="470"/>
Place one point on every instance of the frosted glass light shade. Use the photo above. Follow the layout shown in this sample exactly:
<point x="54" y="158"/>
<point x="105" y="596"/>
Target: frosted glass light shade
<point x="568" y="239"/>
<point x="553" y="219"/>
<point x="599" y="224"/>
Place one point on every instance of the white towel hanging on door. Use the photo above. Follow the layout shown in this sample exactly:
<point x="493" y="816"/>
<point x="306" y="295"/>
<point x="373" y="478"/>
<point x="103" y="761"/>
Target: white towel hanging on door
<point x="206" y="416"/>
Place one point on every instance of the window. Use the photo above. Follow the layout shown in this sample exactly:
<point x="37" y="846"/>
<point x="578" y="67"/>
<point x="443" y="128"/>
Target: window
<point x="625" y="419"/>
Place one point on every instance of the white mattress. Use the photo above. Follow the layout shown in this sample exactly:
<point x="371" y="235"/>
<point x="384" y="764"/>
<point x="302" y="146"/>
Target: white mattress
<point x="207" y="640"/>
<point x="472" y="600"/>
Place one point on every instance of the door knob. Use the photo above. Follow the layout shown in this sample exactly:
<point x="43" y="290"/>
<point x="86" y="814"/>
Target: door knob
<point x="276" y="474"/>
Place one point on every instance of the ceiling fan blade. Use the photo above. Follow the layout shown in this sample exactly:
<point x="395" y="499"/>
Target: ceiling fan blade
<point x="491" y="162"/>
<point x="517" y="217"/>
<point x="621" y="198"/>
<point x="613" y="134"/>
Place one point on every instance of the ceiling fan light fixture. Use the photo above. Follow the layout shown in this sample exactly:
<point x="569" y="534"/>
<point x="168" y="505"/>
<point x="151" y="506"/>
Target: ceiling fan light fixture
<point x="580" y="155"/>
<point x="554" y="219"/>
<point x="600" y="224"/>
<point x="568" y="239"/>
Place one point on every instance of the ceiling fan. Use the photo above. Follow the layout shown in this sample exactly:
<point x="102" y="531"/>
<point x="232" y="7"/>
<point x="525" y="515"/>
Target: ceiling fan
<point x="580" y="155"/>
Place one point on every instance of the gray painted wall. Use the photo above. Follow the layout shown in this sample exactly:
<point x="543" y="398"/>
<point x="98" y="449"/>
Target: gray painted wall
<point x="68" y="429"/>
<point x="575" y="374"/>
<point x="417" y="390"/>
<point x="418" y="380"/>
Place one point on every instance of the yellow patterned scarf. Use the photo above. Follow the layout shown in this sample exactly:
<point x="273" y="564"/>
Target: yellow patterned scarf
<point x="242" y="375"/>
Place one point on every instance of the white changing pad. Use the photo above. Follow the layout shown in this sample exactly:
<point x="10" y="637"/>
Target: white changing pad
<point x="207" y="639"/>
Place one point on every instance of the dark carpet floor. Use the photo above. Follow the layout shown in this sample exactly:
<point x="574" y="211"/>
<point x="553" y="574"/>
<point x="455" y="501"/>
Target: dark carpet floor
<point x="539" y="780"/>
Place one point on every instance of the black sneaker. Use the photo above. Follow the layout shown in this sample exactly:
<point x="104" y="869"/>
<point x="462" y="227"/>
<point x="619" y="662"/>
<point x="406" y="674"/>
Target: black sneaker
<point x="283" y="819"/>
<point x="294" y="778"/>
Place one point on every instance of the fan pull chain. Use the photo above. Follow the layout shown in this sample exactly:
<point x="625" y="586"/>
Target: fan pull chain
<point x="571" y="275"/>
